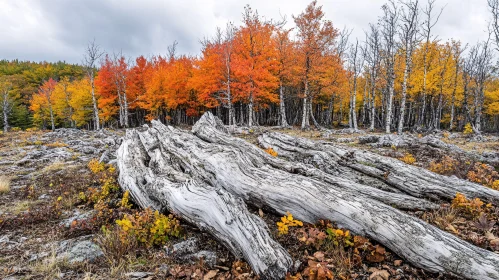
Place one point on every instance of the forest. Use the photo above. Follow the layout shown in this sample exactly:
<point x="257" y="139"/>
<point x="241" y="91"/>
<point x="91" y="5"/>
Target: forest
<point x="401" y="76"/>
<point x="285" y="149"/>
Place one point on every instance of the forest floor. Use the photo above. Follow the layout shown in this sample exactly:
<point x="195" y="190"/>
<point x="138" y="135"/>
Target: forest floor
<point x="59" y="207"/>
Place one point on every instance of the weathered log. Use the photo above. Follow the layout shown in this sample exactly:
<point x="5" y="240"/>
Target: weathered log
<point x="357" y="182"/>
<point x="246" y="172"/>
<point x="431" y="141"/>
<point x="251" y="175"/>
<point x="409" y="179"/>
<point x="158" y="180"/>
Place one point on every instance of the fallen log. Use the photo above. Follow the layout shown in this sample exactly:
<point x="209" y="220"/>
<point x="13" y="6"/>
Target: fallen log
<point x="156" y="180"/>
<point x="357" y="183"/>
<point x="428" y="141"/>
<point x="409" y="179"/>
<point x="261" y="180"/>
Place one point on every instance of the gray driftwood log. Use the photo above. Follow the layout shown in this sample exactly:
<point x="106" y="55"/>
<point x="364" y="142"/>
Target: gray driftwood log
<point x="208" y="177"/>
<point x="160" y="180"/>
<point x="408" y="179"/>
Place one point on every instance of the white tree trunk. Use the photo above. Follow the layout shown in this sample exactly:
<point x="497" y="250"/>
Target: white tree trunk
<point x="94" y="103"/>
<point x="282" y="107"/>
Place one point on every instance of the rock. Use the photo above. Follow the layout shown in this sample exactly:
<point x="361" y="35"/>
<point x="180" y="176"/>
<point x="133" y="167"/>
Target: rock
<point x="188" y="250"/>
<point x="345" y="140"/>
<point x="81" y="249"/>
<point x="77" y="215"/>
<point x="44" y="197"/>
<point x="368" y="139"/>
<point x="164" y="269"/>
<point x="137" y="275"/>
<point x="209" y="258"/>
<point x="188" y="246"/>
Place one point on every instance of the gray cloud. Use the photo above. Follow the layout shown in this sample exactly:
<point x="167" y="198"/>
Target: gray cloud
<point x="59" y="30"/>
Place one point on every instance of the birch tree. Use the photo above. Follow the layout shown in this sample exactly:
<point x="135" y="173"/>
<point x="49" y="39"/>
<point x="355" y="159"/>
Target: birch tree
<point x="356" y="63"/>
<point x="388" y="27"/>
<point x="92" y="54"/>
<point x="409" y="26"/>
<point x="430" y="21"/>
<point x="373" y="58"/>
<point x="6" y="101"/>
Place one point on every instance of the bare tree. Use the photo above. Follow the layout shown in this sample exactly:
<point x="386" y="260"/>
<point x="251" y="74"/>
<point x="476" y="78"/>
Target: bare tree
<point x="121" y="68"/>
<point x="409" y="39"/>
<point x="227" y="41"/>
<point x="373" y="58"/>
<point x="482" y="59"/>
<point x="389" y="24"/>
<point x="92" y="54"/>
<point x="340" y="48"/>
<point x="457" y="51"/>
<point x="428" y="24"/>
<point x="5" y="88"/>
<point x="494" y="9"/>
<point x="356" y="62"/>
<point x="172" y="50"/>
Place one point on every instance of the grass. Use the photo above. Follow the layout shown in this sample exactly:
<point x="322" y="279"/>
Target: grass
<point x="4" y="185"/>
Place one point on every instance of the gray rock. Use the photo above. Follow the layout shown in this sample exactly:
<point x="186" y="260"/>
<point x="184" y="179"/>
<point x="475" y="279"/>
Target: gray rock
<point x="209" y="258"/>
<point x="80" y="249"/>
<point x="77" y="215"/>
<point x="137" y="274"/>
<point x="183" y="248"/>
<point x="44" y="197"/>
<point x="368" y="139"/>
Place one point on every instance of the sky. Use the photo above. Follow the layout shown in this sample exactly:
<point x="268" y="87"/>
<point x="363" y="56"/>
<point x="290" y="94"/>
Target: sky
<point x="59" y="30"/>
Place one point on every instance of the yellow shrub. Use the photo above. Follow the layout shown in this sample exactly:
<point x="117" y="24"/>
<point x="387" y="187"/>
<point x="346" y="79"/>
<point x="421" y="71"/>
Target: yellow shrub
<point x="16" y="129"/>
<point x="468" y="129"/>
<point x="56" y="144"/>
<point x="32" y="129"/>
<point x="286" y="222"/>
<point x="95" y="166"/>
<point x="148" y="227"/>
<point x="408" y="158"/>
<point x="271" y="152"/>
<point x="125" y="201"/>
<point x="340" y="237"/>
<point x="4" y="184"/>
<point x="446" y="166"/>
<point x="484" y="174"/>
<point x="495" y="185"/>
<point x="472" y="206"/>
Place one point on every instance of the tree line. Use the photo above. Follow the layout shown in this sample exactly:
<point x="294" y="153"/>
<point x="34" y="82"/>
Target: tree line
<point x="400" y="76"/>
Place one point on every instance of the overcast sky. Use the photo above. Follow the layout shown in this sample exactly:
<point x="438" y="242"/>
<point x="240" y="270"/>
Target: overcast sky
<point x="59" y="29"/>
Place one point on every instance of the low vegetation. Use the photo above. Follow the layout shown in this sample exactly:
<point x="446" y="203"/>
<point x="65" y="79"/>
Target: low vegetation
<point x="4" y="184"/>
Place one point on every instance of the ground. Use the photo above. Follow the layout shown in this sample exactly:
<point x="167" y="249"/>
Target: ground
<point x="62" y="215"/>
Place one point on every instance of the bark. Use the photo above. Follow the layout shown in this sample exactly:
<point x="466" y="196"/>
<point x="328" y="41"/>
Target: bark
<point x="6" y="108"/>
<point x="305" y="123"/>
<point x="389" y="104"/>
<point x="250" y="111"/>
<point x="408" y="179"/>
<point x="404" y="92"/>
<point x="197" y="176"/>
<point x="156" y="179"/>
<point x="282" y="107"/>
<point x="94" y="102"/>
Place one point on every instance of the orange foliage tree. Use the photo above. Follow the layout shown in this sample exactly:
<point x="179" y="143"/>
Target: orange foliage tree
<point x="316" y="36"/>
<point x="254" y="62"/>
